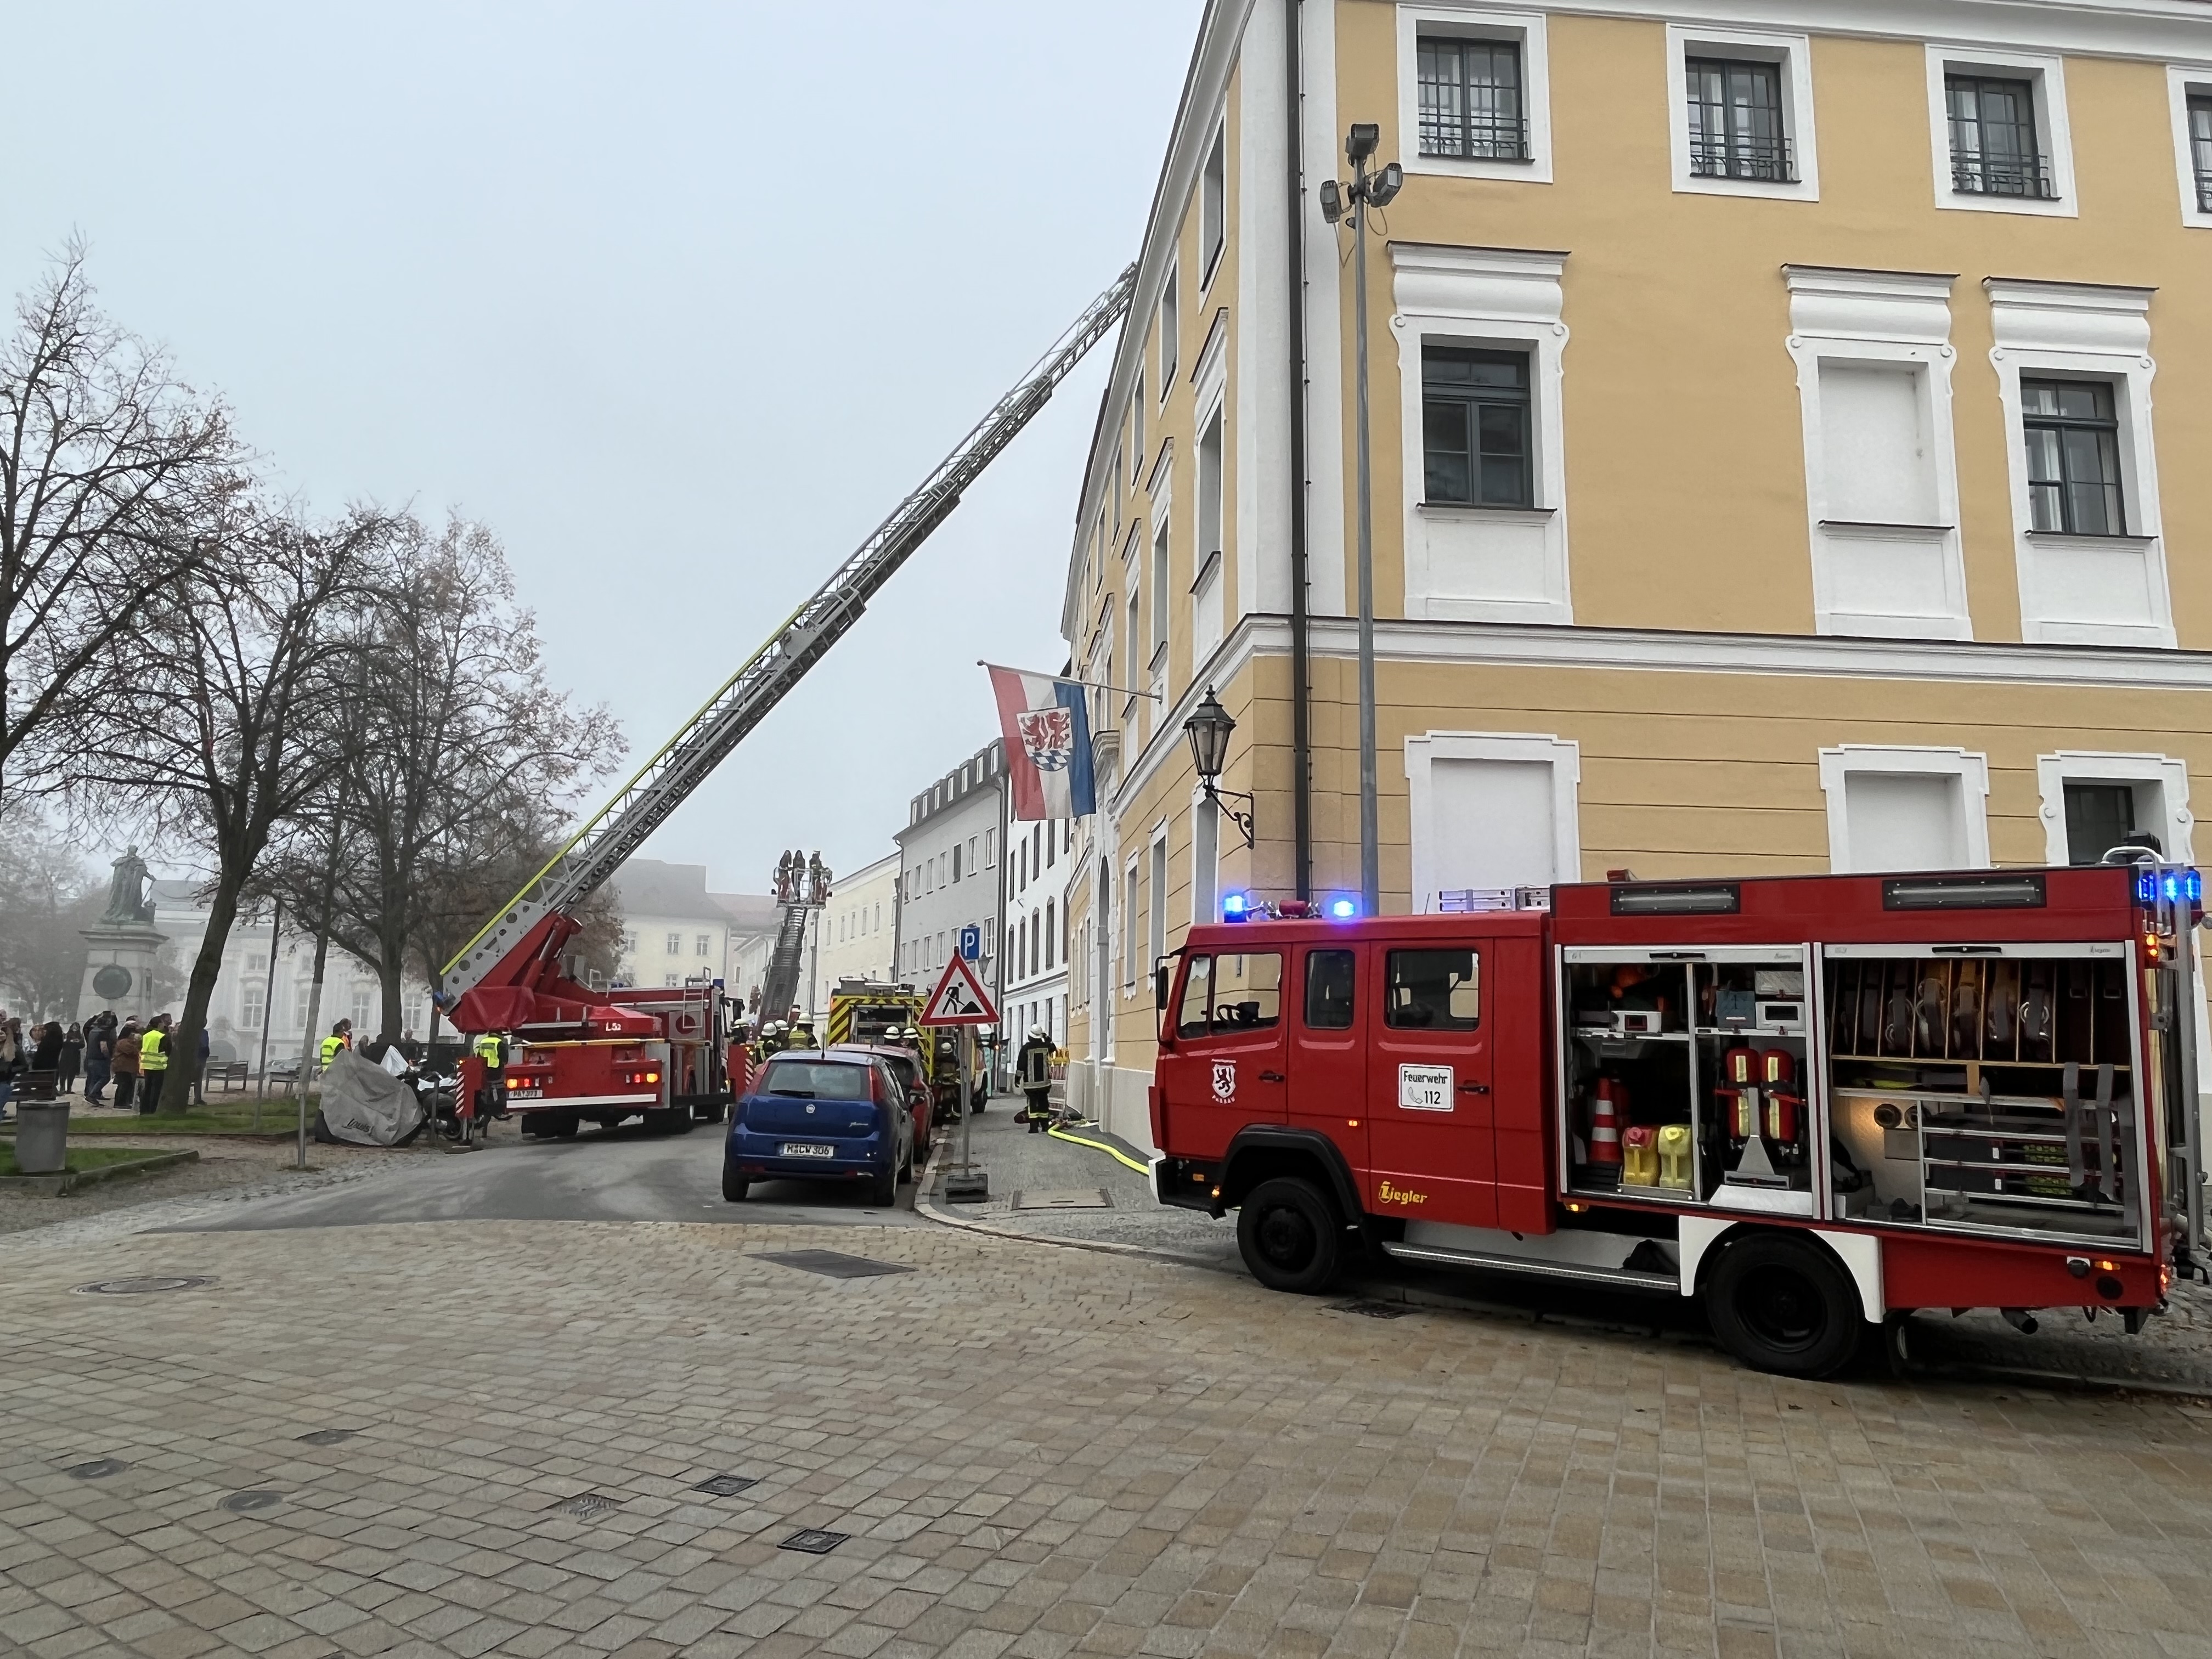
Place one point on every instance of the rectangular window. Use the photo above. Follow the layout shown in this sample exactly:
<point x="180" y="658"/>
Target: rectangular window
<point x="1877" y="464"/>
<point x="1051" y="934"/>
<point x="2099" y="817"/>
<point x="2200" y="149"/>
<point x="1735" y="121"/>
<point x="1433" y="991"/>
<point x="1129" y="925"/>
<point x="1470" y="100"/>
<point x="700" y="945"/>
<point x="1159" y="594"/>
<point x="1137" y="434"/>
<point x="1328" y="990"/>
<point x="990" y="849"/>
<point x="1226" y="994"/>
<point x="956" y="863"/>
<point x="251" y="1006"/>
<point x="1213" y="206"/>
<point x="675" y="945"/>
<point x="1476" y="426"/>
<point x="2073" y="457"/>
<point x="1156" y="893"/>
<point x="1170" y="320"/>
<point x="1995" y="151"/>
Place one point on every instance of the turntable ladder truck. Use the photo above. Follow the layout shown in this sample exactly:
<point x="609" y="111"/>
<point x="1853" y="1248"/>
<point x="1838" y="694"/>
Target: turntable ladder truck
<point x="576" y="1054"/>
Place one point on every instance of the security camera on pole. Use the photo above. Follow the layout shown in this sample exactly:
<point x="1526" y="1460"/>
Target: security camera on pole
<point x="1367" y="189"/>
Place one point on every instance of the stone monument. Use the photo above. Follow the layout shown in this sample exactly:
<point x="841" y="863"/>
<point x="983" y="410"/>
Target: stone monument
<point x="121" y="947"/>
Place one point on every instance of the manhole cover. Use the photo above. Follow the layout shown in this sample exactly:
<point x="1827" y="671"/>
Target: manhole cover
<point x="142" y="1286"/>
<point x="832" y="1264"/>
<point x="589" y="1505"/>
<point x="326" y="1437"/>
<point x="725" y="1486"/>
<point x="98" y="1469"/>
<point x="814" y="1542"/>
<point x="1063" y="1198"/>
<point x="246" y="1503"/>
<point x="1371" y="1309"/>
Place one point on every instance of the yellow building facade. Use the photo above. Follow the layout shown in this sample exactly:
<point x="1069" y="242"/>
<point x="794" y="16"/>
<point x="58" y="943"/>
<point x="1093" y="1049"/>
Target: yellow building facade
<point x="1788" y="427"/>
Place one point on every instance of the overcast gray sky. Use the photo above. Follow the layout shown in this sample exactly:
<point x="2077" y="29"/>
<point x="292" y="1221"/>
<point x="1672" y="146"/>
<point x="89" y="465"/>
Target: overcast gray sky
<point x="680" y="299"/>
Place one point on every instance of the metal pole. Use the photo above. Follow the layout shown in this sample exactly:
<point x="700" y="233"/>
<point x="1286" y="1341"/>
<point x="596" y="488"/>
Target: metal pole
<point x="967" y="1092"/>
<point x="322" y="956"/>
<point x="268" y="1012"/>
<point x="1370" y="864"/>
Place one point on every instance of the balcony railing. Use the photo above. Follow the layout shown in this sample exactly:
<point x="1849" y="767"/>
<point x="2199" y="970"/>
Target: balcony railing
<point x="1766" y="159"/>
<point x="1479" y="138"/>
<point x="1976" y="173"/>
<point x="2204" y="190"/>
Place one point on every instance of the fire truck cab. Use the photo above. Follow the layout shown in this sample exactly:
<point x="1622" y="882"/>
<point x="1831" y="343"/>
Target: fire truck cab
<point x="1813" y="1102"/>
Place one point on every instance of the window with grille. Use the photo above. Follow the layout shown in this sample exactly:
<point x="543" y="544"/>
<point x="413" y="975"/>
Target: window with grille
<point x="1994" y="147"/>
<point x="1475" y="427"/>
<point x="2073" y="457"/>
<point x="1471" y="105"/>
<point x="1735" y="121"/>
<point x="2200" y="149"/>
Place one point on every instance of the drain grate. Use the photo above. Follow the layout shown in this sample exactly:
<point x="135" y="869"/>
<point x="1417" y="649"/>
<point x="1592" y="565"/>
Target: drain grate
<point x="589" y="1505"/>
<point x="248" y="1503"/>
<point x="326" y="1437"/>
<point x="1371" y="1309"/>
<point x="832" y="1264"/>
<point x="98" y="1469"/>
<point x="814" y="1542"/>
<point x="1063" y="1198"/>
<point x="143" y="1286"/>
<point x="725" y="1486"/>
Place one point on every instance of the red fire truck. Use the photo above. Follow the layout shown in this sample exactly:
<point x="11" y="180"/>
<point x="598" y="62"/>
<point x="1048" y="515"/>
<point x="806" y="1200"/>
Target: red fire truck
<point x="1815" y="1104"/>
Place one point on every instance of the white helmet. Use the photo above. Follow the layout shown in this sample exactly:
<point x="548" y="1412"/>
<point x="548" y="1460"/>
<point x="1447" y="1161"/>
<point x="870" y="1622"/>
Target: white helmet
<point x="1040" y="1033"/>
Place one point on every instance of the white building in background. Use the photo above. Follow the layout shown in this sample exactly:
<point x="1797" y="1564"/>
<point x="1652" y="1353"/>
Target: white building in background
<point x="949" y="869"/>
<point x="856" y="935"/>
<point x="674" y="929"/>
<point x="1035" y="955"/>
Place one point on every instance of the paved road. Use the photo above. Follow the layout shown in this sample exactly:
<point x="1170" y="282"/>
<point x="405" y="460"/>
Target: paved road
<point x="604" y="1174"/>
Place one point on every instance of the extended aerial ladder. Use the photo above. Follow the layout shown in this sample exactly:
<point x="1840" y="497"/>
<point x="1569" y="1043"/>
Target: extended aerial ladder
<point x="499" y="979"/>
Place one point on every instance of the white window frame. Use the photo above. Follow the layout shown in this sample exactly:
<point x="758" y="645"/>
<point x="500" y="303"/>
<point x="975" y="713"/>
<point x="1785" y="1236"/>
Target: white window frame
<point x="1793" y="55"/>
<point x="2176" y="833"/>
<point x="1210" y="260"/>
<point x="2182" y="80"/>
<point x="1561" y="755"/>
<point x="1209" y="622"/>
<point x="1526" y="29"/>
<point x="1502" y="298"/>
<point x="2048" y="76"/>
<point x="2070" y="330"/>
<point x="1171" y="330"/>
<point x="1156" y="902"/>
<point x="1128" y="928"/>
<point x="1972" y="769"/>
<point x="1877" y="317"/>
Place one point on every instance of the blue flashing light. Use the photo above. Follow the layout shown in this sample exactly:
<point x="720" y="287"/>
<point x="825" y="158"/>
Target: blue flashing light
<point x="1343" y="909"/>
<point x="2192" y="886"/>
<point x="1235" y="907"/>
<point x="2172" y="888"/>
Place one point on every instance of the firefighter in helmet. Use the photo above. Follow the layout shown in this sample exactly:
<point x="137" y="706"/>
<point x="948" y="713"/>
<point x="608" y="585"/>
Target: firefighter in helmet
<point x="1033" y="1077"/>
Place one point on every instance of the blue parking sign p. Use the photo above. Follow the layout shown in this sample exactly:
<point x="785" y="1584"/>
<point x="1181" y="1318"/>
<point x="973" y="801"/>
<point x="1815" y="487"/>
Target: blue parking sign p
<point x="971" y="942"/>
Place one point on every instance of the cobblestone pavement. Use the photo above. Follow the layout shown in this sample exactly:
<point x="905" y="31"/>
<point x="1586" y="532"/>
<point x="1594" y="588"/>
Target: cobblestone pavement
<point x="1034" y="1451"/>
<point x="231" y="1169"/>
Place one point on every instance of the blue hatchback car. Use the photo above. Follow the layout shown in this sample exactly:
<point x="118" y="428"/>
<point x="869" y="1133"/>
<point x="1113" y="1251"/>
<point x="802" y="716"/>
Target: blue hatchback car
<point x="815" y="1116"/>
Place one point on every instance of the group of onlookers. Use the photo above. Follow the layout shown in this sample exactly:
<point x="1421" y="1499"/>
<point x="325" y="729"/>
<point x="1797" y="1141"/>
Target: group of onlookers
<point x="104" y="1049"/>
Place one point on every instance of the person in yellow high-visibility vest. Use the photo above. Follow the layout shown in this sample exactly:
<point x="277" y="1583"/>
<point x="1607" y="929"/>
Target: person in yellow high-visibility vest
<point x="341" y="1037"/>
<point x="153" y="1063"/>
<point x="491" y="1095"/>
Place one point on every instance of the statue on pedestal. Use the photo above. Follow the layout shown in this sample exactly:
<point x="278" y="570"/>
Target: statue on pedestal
<point x="126" y="894"/>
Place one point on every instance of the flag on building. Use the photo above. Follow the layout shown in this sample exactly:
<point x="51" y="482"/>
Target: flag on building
<point x="1047" y="733"/>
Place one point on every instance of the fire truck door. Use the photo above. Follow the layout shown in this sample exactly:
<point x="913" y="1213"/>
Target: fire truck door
<point x="1328" y="1069"/>
<point x="1226" y="1068"/>
<point x="1428" y="1076"/>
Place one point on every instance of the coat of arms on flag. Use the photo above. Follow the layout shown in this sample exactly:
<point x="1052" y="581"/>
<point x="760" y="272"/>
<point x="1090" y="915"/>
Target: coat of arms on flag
<point x="1046" y="728"/>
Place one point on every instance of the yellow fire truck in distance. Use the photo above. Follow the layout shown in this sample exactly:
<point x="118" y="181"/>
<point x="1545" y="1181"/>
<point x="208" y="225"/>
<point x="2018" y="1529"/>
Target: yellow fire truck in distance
<point x="867" y="1011"/>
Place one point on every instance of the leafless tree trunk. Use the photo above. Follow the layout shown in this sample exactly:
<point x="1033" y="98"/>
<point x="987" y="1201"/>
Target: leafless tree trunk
<point x="106" y="464"/>
<point x="225" y="723"/>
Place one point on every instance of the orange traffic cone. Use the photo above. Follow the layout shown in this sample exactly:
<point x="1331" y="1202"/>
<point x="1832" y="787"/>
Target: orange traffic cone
<point x="1605" y="1121"/>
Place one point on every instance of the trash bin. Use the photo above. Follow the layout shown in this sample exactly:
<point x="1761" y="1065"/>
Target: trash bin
<point x="41" y="1137"/>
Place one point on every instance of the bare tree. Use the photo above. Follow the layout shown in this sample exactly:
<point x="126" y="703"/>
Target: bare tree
<point x="223" y="727"/>
<point x="106" y="464"/>
<point x="468" y="757"/>
<point x="48" y="896"/>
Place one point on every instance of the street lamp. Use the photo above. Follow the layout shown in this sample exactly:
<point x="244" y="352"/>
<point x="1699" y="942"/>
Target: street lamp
<point x="1367" y="189"/>
<point x="1209" y="728"/>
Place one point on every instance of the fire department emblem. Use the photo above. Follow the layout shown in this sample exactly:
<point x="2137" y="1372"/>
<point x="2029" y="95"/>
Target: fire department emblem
<point x="1224" y="1080"/>
<point x="1047" y="737"/>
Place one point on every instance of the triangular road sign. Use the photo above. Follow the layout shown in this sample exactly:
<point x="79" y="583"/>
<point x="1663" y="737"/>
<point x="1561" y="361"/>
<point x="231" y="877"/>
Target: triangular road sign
<point x="959" y="998"/>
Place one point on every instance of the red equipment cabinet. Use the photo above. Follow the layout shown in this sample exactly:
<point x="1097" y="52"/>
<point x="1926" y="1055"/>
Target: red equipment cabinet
<point x="1854" y="1096"/>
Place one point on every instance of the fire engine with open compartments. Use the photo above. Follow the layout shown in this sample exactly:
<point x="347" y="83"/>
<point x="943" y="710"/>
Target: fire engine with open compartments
<point x="1816" y="1103"/>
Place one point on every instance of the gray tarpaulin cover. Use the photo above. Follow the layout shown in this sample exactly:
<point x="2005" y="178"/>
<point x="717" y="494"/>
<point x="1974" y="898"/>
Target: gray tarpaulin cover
<point x="366" y="1106"/>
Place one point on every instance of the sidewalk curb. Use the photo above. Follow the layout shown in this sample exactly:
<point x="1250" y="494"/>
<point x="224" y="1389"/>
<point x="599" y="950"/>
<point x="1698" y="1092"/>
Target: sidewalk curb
<point x="65" y="1182"/>
<point x="926" y="1204"/>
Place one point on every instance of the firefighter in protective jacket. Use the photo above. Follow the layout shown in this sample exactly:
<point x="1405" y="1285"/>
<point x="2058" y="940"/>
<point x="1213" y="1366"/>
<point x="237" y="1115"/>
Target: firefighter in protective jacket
<point x="1033" y="1077"/>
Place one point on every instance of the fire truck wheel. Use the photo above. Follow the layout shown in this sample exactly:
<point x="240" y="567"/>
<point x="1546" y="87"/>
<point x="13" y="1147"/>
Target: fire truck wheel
<point x="1779" y="1304"/>
<point x="1287" y="1234"/>
<point x="565" y="1125"/>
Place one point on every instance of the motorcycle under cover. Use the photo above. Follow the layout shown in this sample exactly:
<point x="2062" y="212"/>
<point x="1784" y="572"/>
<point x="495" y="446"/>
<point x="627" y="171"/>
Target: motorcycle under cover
<point x="364" y="1105"/>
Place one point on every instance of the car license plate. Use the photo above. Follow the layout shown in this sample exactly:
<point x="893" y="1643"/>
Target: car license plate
<point x="807" y="1149"/>
<point x="525" y="1094"/>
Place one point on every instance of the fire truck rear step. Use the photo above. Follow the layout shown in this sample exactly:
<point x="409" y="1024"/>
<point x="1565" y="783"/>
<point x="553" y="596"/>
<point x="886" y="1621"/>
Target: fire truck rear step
<point x="1625" y="1278"/>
